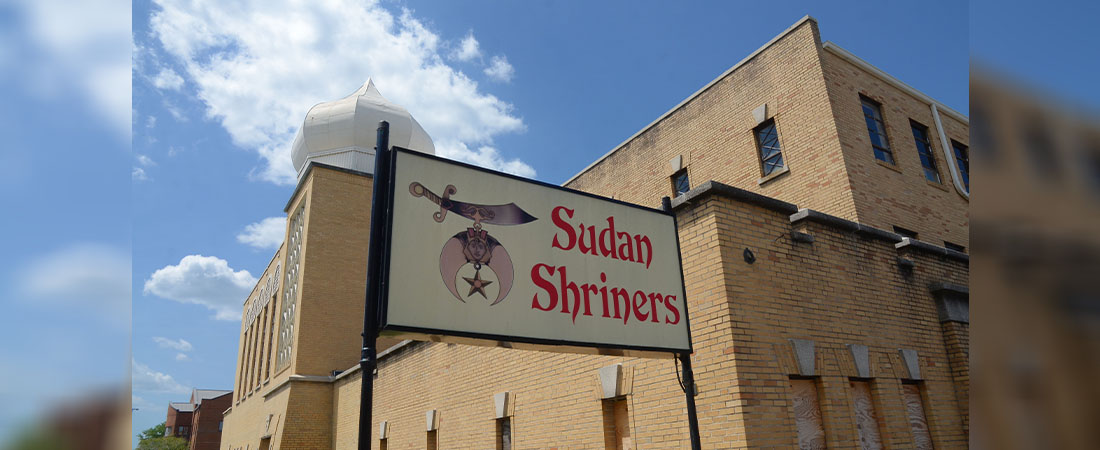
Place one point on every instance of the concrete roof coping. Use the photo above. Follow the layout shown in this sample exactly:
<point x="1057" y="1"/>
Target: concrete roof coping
<point x="804" y="19"/>
<point x="715" y="188"/>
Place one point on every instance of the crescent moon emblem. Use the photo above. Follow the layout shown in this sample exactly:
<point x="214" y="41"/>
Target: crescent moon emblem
<point x="450" y="260"/>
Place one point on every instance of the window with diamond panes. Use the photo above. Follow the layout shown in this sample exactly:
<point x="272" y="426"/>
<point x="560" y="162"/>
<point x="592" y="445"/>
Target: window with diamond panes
<point x="290" y="288"/>
<point x="876" y="128"/>
<point x="767" y="141"/>
<point x="680" y="183"/>
<point x="924" y="150"/>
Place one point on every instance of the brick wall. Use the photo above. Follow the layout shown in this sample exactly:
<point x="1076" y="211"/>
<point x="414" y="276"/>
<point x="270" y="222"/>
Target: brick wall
<point x="888" y="195"/>
<point x="844" y="288"/>
<point x="713" y="133"/>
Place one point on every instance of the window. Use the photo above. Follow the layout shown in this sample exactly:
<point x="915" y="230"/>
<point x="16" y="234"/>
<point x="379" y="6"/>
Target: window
<point x="504" y="434"/>
<point x="914" y="410"/>
<point x="220" y="426"/>
<point x="905" y="232"/>
<point x="616" y="425"/>
<point x="680" y="183"/>
<point x="876" y="128"/>
<point x="183" y="431"/>
<point x="767" y="141"/>
<point x="433" y="440"/>
<point x="954" y="246"/>
<point x="807" y="414"/>
<point x="962" y="159"/>
<point x="866" y="420"/>
<point x="924" y="149"/>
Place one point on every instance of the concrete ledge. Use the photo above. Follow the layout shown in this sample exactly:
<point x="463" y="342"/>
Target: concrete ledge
<point x="934" y="249"/>
<point x="843" y="224"/>
<point x="952" y="302"/>
<point x="715" y="188"/>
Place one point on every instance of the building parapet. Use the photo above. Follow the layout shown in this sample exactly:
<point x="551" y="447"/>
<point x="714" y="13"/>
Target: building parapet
<point x="798" y="215"/>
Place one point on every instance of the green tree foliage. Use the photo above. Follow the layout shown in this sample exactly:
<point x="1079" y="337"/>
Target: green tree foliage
<point x="154" y="439"/>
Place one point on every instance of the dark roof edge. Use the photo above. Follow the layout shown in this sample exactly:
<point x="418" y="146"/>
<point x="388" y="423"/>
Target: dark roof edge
<point x="305" y="174"/>
<point x="715" y="188"/>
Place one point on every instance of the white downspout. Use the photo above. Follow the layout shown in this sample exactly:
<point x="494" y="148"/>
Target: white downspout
<point x="949" y="155"/>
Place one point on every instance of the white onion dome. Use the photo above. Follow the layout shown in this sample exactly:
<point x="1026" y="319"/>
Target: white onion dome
<point x="343" y="132"/>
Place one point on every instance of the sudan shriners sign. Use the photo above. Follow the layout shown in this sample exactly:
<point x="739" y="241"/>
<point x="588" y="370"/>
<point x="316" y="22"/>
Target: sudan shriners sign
<point x="486" y="258"/>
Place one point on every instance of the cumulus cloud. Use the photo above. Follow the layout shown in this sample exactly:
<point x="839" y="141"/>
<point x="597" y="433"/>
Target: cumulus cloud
<point x="178" y="344"/>
<point x="145" y="161"/>
<point x="499" y="69"/>
<point x="206" y="281"/>
<point x="89" y="276"/>
<point x="484" y="156"/>
<point x="146" y="380"/>
<point x="168" y="79"/>
<point x="258" y="66"/>
<point x="265" y="234"/>
<point x="468" y="49"/>
<point x="182" y="357"/>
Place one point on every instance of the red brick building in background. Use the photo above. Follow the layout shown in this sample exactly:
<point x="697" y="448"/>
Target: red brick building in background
<point x="199" y="421"/>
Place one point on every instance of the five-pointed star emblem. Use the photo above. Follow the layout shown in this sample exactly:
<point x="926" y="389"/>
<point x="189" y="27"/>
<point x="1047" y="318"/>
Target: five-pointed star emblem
<point x="477" y="285"/>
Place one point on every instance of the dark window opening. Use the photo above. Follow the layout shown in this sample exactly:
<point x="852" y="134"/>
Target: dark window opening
<point x="767" y="141"/>
<point x="504" y="434"/>
<point x="876" y="128"/>
<point x="924" y="150"/>
<point x="680" y="183"/>
<point x="962" y="160"/>
<point x="954" y="246"/>
<point x="905" y="232"/>
<point x="433" y="440"/>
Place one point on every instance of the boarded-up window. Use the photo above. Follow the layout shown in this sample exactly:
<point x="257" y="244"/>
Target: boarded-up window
<point x="914" y="409"/>
<point x="616" y="425"/>
<point x="866" y="421"/>
<point x="807" y="414"/>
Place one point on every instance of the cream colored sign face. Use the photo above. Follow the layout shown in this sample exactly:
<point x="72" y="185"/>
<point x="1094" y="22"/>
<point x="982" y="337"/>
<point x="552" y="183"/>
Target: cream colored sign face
<point x="480" y="255"/>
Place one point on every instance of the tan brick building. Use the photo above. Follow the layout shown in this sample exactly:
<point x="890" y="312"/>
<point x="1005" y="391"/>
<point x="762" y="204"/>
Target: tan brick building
<point x="814" y="322"/>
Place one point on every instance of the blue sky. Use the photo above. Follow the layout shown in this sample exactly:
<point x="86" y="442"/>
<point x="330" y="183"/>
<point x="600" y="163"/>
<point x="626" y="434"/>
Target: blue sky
<point x="538" y="88"/>
<point x="164" y="195"/>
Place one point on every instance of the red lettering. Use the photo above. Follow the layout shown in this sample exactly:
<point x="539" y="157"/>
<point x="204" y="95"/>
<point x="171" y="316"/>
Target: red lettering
<point x="638" y="306"/>
<point x="648" y="249"/>
<point x="591" y="247"/>
<point x="567" y="286"/>
<point x="654" y="300"/>
<point x="541" y="282"/>
<point x="568" y="229"/>
<point x="628" y="254"/>
<point x="607" y="246"/>
<point x="603" y="291"/>
<point x="615" y="293"/>
<point x="675" y="312"/>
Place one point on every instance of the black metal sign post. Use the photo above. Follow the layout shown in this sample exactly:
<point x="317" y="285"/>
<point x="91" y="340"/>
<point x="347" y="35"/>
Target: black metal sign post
<point x="368" y="359"/>
<point x="685" y="358"/>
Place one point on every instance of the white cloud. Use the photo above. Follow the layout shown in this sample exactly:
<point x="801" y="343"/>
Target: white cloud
<point x="468" y="49"/>
<point x="484" y="156"/>
<point x="168" y="79"/>
<point x="86" y="45"/>
<point x="89" y="276"/>
<point x="206" y="281"/>
<point x="499" y="69"/>
<point x="265" y="234"/>
<point x="145" y="161"/>
<point x="180" y="344"/>
<point x="151" y="122"/>
<point x="182" y="357"/>
<point x="138" y="174"/>
<point x="258" y="66"/>
<point x="146" y="380"/>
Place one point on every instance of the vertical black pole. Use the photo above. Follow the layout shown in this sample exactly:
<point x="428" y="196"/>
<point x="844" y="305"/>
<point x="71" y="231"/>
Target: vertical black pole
<point x="379" y="207"/>
<point x="689" y="375"/>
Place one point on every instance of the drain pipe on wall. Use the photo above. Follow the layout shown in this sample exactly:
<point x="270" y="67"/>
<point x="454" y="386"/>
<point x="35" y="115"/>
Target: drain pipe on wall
<point x="949" y="155"/>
